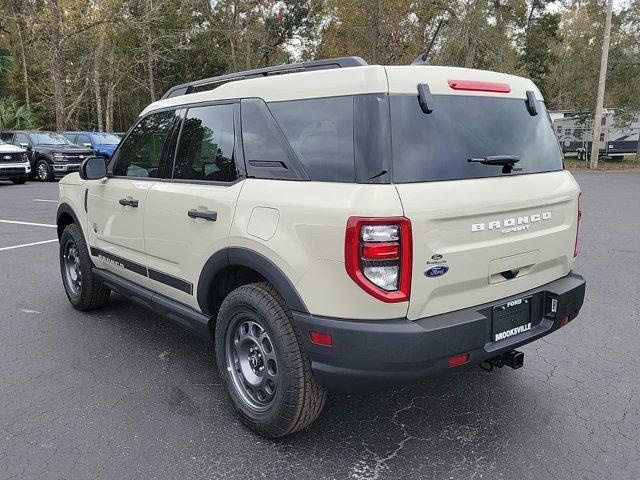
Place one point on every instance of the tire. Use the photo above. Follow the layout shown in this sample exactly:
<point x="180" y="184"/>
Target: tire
<point x="19" y="180"/>
<point x="255" y="319"/>
<point x="43" y="171"/>
<point x="83" y="289"/>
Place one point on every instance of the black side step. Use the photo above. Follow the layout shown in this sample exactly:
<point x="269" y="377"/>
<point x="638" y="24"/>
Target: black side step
<point x="173" y="311"/>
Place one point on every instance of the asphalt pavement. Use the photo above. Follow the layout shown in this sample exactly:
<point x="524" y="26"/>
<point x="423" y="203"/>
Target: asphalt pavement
<point x="121" y="394"/>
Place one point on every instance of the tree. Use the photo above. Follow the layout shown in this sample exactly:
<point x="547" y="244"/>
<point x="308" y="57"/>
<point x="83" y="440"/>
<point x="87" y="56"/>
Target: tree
<point x="538" y="58"/>
<point x="14" y="116"/>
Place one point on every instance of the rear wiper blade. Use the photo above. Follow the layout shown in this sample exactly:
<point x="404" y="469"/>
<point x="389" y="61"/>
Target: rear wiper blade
<point x="507" y="162"/>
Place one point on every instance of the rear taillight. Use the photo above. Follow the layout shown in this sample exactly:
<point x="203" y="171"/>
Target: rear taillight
<point x="576" y="248"/>
<point x="378" y="256"/>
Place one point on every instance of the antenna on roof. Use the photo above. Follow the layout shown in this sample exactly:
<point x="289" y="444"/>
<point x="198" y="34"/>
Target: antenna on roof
<point x="422" y="58"/>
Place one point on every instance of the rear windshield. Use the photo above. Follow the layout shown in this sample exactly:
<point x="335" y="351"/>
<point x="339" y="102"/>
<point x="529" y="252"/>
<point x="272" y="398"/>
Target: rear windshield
<point x="436" y="146"/>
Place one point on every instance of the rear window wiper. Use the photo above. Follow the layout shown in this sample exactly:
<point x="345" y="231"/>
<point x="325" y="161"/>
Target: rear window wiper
<point x="506" y="161"/>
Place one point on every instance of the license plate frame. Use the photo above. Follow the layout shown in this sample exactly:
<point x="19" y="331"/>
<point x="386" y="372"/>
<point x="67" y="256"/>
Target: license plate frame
<point x="511" y="318"/>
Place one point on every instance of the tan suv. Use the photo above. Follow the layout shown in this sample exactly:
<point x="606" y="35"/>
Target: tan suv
<point x="333" y="225"/>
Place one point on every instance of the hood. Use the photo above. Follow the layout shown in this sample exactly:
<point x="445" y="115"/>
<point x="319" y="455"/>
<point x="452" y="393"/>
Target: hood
<point x="72" y="149"/>
<point x="6" y="148"/>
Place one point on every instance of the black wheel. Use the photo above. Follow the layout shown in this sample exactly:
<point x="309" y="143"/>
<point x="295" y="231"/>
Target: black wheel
<point x="83" y="290"/>
<point x="43" y="171"/>
<point x="263" y="363"/>
<point x="19" y="180"/>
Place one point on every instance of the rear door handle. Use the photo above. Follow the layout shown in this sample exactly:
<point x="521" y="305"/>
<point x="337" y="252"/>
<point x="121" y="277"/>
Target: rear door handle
<point x="128" y="202"/>
<point x="206" y="214"/>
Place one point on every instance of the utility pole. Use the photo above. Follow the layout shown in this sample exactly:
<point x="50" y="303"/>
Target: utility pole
<point x="597" y="121"/>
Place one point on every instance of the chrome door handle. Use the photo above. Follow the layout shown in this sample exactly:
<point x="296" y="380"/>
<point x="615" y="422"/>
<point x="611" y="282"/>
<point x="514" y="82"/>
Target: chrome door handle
<point x="128" y="202"/>
<point x="206" y="214"/>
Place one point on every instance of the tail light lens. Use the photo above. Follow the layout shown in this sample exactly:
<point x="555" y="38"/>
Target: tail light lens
<point x="378" y="255"/>
<point x="576" y="248"/>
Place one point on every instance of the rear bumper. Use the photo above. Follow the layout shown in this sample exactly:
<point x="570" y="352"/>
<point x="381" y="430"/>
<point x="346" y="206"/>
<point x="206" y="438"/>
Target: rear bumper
<point x="370" y="355"/>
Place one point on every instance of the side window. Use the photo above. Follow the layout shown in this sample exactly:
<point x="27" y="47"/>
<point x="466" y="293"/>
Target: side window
<point x="7" y="137"/>
<point x="20" y="138"/>
<point x="82" y="139"/>
<point x="320" y="131"/>
<point x="70" y="136"/>
<point x="205" y="150"/>
<point x="141" y="152"/>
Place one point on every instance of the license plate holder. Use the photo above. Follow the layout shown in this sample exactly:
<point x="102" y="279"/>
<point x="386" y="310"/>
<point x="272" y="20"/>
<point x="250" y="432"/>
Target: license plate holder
<point x="511" y="318"/>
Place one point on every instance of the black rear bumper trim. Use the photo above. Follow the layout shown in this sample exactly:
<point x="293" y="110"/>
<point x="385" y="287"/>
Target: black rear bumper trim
<point x="375" y="354"/>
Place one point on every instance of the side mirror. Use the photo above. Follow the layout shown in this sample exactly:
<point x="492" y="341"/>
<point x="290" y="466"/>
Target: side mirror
<point x="26" y="146"/>
<point x="93" y="168"/>
<point x="88" y="145"/>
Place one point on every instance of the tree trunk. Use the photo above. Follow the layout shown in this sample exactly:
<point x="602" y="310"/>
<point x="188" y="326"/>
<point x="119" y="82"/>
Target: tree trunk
<point x="23" y="62"/>
<point x="233" y="35"/>
<point x="152" y="82"/>
<point x="56" y="73"/>
<point x="470" y="55"/>
<point x="111" y="86"/>
<point x="96" y="83"/>
<point x="247" y="44"/>
<point x="375" y="33"/>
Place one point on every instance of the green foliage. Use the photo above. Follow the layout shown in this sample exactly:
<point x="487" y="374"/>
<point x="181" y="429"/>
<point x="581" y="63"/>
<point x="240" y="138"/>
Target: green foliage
<point x="14" y="116"/>
<point x="538" y="58"/>
<point x="113" y="57"/>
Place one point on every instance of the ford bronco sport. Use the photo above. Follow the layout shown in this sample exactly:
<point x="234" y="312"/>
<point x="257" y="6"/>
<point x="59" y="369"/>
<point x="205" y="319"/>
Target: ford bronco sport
<point x="333" y="225"/>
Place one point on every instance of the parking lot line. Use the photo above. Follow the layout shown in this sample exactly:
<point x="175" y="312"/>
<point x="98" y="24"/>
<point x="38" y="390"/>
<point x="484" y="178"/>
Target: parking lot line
<point x="16" y="222"/>
<point x="27" y="245"/>
<point x="44" y="200"/>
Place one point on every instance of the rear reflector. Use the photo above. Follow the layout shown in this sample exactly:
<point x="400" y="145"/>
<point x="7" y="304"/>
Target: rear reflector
<point x="458" y="360"/>
<point x="474" y="85"/>
<point x="564" y="320"/>
<point x="321" y="338"/>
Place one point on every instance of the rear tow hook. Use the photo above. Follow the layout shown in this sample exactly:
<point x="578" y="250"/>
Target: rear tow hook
<point x="513" y="359"/>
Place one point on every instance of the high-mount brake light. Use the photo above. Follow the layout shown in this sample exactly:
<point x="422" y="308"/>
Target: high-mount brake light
<point x="378" y="256"/>
<point x="576" y="248"/>
<point x="478" y="86"/>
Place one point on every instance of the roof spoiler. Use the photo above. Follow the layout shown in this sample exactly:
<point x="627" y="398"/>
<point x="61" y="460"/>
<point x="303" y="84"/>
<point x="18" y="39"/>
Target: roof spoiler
<point x="341" y="62"/>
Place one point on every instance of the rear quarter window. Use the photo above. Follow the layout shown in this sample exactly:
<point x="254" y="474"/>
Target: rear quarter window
<point x="320" y="131"/>
<point x="436" y="146"/>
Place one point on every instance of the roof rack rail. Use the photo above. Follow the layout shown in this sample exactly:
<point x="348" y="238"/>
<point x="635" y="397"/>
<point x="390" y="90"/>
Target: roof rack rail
<point x="341" y="62"/>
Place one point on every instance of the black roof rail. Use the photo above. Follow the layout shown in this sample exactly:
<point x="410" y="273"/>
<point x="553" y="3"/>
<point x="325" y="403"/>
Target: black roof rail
<point x="341" y="62"/>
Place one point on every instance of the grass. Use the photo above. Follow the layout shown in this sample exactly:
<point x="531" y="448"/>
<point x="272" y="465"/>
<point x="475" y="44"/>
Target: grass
<point x="604" y="164"/>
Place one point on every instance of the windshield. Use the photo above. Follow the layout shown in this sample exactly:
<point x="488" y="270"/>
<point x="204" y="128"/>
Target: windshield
<point x="106" y="138"/>
<point x="436" y="146"/>
<point x="49" y="138"/>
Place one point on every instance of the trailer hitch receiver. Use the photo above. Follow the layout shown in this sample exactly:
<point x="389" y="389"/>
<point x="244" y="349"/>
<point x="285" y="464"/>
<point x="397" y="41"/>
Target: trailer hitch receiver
<point x="513" y="359"/>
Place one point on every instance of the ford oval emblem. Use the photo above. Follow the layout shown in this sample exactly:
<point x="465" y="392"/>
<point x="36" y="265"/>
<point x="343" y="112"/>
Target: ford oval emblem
<point x="436" y="271"/>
